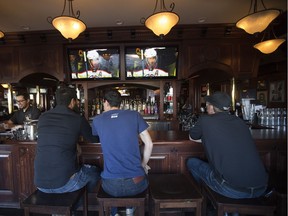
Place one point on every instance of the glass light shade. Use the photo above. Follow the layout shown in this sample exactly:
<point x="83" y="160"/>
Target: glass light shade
<point x="1" y="34"/>
<point x="257" y="22"/>
<point x="68" y="26"/>
<point x="161" y="23"/>
<point x="269" y="46"/>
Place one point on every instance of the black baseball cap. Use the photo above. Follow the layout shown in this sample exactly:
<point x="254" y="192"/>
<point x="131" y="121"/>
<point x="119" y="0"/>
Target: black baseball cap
<point x="221" y="100"/>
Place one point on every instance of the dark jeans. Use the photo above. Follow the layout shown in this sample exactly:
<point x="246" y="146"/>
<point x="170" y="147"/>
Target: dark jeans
<point x="87" y="175"/>
<point x="202" y="171"/>
<point x="123" y="187"/>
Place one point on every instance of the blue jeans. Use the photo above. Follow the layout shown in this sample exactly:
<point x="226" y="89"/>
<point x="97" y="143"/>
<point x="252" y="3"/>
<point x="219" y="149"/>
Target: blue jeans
<point x="87" y="175"/>
<point x="123" y="187"/>
<point x="202" y="171"/>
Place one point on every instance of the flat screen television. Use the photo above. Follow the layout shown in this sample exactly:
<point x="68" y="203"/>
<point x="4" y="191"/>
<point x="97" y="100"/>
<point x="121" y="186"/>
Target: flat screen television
<point x="151" y="62"/>
<point x="94" y="63"/>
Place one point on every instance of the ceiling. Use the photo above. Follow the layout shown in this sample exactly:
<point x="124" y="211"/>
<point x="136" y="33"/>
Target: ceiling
<point x="31" y="15"/>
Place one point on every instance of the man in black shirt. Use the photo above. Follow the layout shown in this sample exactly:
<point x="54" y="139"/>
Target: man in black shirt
<point x="234" y="167"/>
<point x="56" y="166"/>
<point x="26" y="111"/>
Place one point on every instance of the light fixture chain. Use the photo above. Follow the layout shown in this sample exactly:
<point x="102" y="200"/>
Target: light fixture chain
<point x="71" y="10"/>
<point x="63" y="8"/>
<point x="263" y="5"/>
<point x="156" y="6"/>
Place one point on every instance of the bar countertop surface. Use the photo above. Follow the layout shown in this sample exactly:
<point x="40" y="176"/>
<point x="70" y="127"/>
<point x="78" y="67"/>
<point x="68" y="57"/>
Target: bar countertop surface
<point x="180" y="137"/>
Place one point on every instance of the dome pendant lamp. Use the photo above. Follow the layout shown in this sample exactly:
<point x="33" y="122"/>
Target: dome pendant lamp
<point x="162" y="21"/>
<point x="270" y="45"/>
<point x="2" y="34"/>
<point x="68" y="25"/>
<point x="257" y="21"/>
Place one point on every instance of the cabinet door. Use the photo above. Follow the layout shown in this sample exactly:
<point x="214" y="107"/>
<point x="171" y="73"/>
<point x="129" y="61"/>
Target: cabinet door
<point x="8" y="175"/>
<point x="186" y="151"/>
<point x="160" y="158"/>
<point x="91" y="154"/>
<point x="26" y="170"/>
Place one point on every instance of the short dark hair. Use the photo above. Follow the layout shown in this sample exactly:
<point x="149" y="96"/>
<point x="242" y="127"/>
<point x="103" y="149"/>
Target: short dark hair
<point x="24" y="94"/>
<point x="113" y="97"/>
<point x="64" y="95"/>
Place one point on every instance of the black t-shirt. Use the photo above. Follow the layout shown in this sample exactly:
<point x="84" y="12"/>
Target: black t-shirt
<point x="56" y="155"/>
<point x="230" y="149"/>
<point x="20" y="115"/>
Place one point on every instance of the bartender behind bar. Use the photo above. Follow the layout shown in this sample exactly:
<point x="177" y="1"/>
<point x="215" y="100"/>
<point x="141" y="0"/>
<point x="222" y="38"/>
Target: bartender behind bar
<point x="26" y="111"/>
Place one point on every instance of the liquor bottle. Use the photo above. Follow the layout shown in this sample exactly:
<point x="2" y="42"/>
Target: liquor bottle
<point x="98" y="111"/>
<point x="144" y="107"/>
<point x="155" y="108"/>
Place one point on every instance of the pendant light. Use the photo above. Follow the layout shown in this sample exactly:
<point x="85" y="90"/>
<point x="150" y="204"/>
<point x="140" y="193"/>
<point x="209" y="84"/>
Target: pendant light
<point x="2" y="34"/>
<point x="162" y="21"/>
<point x="270" y="45"/>
<point x="68" y="25"/>
<point x="257" y="21"/>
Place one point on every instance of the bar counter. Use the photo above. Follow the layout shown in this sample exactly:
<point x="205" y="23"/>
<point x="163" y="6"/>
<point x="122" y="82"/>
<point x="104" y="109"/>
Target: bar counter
<point x="170" y="152"/>
<point x="180" y="137"/>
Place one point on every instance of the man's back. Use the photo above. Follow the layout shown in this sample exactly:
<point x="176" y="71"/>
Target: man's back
<point x="118" y="131"/>
<point x="231" y="149"/>
<point x="58" y="132"/>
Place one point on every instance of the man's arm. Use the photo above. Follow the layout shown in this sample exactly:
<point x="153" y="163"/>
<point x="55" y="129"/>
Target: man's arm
<point x="148" y="146"/>
<point x="86" y="131"/>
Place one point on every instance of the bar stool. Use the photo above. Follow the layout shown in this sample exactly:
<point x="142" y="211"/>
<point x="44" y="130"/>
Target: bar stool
<point x="55" y="203"/>
<point x="253" y="206"/>
<point x="106" y="202"/>
<point x="170" y="191"/>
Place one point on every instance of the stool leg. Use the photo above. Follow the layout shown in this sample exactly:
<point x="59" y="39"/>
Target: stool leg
<point x="26" y="212"/>
<point x="157" y="209"/>
<point x="220" y="211"/>
<point x="101" y="209"/>
<point x="85" y="202"/>
<point x="141" y="209"/>
<point x="198" y="209"/>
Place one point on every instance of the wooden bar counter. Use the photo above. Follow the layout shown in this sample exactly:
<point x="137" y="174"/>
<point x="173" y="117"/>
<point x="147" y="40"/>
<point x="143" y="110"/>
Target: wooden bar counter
<point x="170" y="152"/>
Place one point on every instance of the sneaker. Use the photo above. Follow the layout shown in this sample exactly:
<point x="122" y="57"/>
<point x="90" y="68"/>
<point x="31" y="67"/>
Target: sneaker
<point x="130" y="211"/>
<point x="117" y="214"/>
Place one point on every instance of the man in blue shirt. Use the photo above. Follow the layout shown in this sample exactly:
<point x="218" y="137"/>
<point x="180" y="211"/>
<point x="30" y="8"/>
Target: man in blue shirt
<point x="119" y="130"/>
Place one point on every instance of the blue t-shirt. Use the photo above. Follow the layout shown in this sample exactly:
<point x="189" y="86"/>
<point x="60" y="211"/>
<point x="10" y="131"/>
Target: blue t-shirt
<point x="118" y="131"/>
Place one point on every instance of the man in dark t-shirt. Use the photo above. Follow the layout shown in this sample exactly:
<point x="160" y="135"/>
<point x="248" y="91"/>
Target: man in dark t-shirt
<point x="56" y="169"/>
<point x="234" y="167"/>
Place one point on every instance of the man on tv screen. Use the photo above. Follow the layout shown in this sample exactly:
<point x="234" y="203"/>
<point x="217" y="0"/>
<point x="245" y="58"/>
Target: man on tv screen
<point x="149" y="63"/>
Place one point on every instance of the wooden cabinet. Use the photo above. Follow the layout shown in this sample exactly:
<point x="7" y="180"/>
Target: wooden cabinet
<point x="8" y="176"/>
<point x="26" y="154"/>
<point x="91" y="154"/>
<point x="160" y="160"/>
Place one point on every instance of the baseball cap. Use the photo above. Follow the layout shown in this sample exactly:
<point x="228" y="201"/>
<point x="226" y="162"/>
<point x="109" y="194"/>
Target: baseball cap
<point x="221" y="100"/>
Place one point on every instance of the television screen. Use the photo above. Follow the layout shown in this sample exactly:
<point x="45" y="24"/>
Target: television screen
<point x="151" y="62"/>
<point x="94" y="63"/>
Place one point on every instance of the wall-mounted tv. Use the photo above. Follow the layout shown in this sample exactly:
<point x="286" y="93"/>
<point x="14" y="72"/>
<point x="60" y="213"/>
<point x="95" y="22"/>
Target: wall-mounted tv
<point x="151" y="62"/>
<point x="94" y="63"/>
